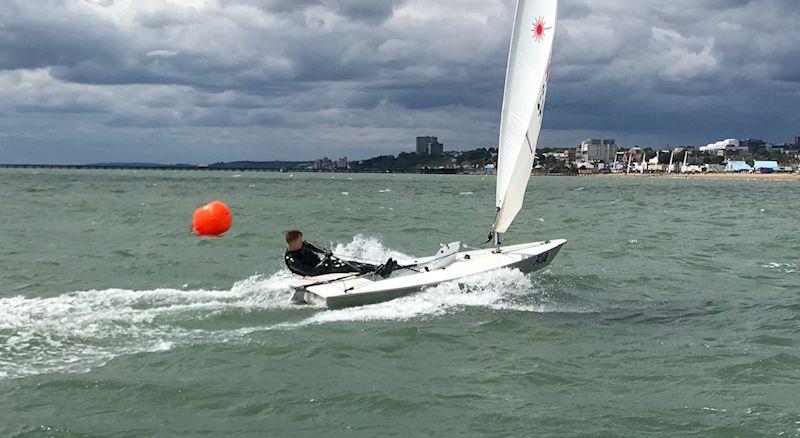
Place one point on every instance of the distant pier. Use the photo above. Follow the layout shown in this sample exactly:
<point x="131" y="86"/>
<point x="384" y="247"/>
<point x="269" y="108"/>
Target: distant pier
<point x="150" y="167"/>
<point x="228" y="167"/>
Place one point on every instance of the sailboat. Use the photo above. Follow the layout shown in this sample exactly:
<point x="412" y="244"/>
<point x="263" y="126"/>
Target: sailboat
<point x="521" y="120"/>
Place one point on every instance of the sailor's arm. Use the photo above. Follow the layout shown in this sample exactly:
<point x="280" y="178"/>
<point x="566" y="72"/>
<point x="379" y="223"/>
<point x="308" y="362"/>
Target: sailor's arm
<point x="328" y="253"/>
<point x="300" y="268"/>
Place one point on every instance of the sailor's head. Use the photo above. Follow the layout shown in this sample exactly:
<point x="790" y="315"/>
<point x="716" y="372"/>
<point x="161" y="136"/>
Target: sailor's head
<point x="294" y="239"/>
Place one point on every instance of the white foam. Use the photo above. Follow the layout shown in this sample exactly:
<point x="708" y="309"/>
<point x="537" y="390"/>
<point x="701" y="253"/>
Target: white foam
<point x="786" y="268"/>
<point x="500" y="290"/>
<point x="78" y="331"/>
<point x="368" y="249"/>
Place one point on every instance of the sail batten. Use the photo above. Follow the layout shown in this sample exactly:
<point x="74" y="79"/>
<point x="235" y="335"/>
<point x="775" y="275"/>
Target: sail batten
<point x="523" y="104"/>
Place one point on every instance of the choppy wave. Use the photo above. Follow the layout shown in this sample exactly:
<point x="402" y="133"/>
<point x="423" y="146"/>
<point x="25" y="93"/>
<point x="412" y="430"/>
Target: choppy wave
<point x="78" y="331"/>
<point x="785" y="268"/>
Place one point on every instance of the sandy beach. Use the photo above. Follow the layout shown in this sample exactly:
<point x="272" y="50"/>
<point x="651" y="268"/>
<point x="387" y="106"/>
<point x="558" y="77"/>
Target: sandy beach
<point x="721" y="176"/>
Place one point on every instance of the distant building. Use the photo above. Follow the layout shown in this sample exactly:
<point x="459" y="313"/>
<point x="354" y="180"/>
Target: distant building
<point x="713" y="168"/>
<point x="342" y="163"/>
<point x="738" y="167"/>
<point x="786" y="148"/>
<point x="424" y="143"/>
<point x="753" y="145"/>
<point x="595" y="150"/>
<point x="429" y="146"/>
<point x="322" y="164"/>
<point x="692" y="168"/>
<point x="766" y="166"/>
<point x="725" y="148"/>
<point x="571" y="155"/>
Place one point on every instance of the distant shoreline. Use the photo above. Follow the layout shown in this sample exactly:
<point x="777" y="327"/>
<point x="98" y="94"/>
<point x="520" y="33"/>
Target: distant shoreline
<point x="135" y="167"/>
<point x="697" y="176"/>
<point x="706" y="176"/>
<point x="445" y="171"/>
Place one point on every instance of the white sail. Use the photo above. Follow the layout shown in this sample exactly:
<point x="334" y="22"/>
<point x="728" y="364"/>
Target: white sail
<point x="523" y="104"/>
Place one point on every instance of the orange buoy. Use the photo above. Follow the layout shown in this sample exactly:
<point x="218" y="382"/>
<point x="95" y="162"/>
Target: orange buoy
<point x="212" y="219"/>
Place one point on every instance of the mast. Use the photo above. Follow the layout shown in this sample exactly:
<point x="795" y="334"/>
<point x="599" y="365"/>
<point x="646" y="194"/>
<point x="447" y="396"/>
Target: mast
<point x="523" y="105"/>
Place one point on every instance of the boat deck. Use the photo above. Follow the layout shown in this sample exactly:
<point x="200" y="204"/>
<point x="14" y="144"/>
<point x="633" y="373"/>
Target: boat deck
<point x="343" y="290"/>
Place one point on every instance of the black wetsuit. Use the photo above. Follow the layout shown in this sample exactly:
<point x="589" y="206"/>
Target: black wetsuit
<point x="311" y="261"/>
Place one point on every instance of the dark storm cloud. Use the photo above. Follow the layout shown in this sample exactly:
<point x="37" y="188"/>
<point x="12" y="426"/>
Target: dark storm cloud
<point x="278" y="78"/>
<point x="33" y="44"/>
<point x="375" y="11"/>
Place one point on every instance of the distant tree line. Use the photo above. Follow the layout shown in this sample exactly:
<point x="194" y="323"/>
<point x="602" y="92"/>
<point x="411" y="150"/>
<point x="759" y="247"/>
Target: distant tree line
<point x="411" y="161"/>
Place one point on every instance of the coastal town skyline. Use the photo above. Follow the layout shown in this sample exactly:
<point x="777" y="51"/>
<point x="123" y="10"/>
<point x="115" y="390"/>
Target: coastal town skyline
<point x="204" y="81"/>
<point x="590" y="156"/>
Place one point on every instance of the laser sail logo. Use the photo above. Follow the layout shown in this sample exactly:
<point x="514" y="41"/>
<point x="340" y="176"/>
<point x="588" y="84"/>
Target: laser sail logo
<point x="539" y="29"/>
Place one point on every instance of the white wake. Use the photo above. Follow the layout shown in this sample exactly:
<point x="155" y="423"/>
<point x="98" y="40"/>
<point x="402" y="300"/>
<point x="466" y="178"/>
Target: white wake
<point x="78" y="331"/>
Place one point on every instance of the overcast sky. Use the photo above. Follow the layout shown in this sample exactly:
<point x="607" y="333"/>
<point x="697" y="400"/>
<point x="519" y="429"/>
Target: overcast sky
<point x="206" y="80"/>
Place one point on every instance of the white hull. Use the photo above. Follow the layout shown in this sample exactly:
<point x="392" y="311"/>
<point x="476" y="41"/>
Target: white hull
<point x="343" y="290"/>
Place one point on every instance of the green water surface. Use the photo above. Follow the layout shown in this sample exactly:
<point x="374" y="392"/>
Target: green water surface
<point x="674" y="310"/>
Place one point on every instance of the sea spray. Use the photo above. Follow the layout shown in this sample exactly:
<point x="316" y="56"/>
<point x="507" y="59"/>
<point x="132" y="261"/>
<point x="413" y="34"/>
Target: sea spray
<point x="368" y="250"/>
<point x="77" y="331"/>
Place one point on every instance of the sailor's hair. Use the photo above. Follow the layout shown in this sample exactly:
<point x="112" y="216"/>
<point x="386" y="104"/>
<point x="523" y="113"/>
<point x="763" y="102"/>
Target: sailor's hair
<point x="293" y="235"/>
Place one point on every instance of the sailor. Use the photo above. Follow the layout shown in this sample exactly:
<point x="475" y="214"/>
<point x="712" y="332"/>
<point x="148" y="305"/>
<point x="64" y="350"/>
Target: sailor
<point x="303" y="258"/>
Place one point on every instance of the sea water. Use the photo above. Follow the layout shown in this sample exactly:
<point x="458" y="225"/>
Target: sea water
<point x="674" y="309"/>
